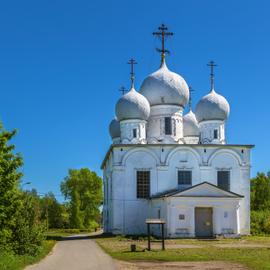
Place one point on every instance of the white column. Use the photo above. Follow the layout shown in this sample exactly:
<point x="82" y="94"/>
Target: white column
<point x="192" y="221"/>
<point x="217" y="226"/>
<point x="236" y="228"/>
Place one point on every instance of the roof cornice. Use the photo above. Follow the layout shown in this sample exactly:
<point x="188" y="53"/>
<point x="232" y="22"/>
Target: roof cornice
<point x="221" y="146"/>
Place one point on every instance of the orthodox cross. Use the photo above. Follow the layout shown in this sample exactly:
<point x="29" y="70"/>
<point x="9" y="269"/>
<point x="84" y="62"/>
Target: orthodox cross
<point x="132" y="62"/>
<point x="163" y="33"/>
<point x="123" y="90"/>
<point x="212" y="65"/>
<point x="190" y="97"/>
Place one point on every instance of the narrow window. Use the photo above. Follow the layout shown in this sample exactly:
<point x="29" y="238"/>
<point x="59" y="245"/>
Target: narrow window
<point x="223" y="180"/>
<point x="159" y="213"/>
<point x="215" y="133"/>
<point x="143" y="184"/>
<point x="182" y="217"/>
<point x="168" y="126"/>
<point x="184" y="179"/>
<point x="134" y="133"/>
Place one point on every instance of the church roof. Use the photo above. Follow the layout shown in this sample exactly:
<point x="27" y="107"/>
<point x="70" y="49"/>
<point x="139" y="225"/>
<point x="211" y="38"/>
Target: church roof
<point x="190" y="125"/>
<point x="165" y="87"/>
<point x="191" y="192"/>
<point x="212" y="107"/>
<point x="132" y="105"/>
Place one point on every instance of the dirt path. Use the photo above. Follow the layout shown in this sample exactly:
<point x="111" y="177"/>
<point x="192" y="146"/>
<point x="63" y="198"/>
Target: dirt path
<point x="75" y="253"/>
<point x="214" y="265"/>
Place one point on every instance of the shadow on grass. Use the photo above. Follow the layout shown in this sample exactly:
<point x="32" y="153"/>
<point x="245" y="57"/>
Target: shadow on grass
<point x="109" y="235"/>
<point x="77" y="237"/>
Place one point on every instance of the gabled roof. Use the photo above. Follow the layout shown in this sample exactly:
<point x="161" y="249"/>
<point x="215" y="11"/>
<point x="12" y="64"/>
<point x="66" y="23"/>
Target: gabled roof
<point x="204" y="189"/>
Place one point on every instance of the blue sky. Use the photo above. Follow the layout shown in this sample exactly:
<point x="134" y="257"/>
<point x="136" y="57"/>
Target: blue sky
<point x="62" y="63"/>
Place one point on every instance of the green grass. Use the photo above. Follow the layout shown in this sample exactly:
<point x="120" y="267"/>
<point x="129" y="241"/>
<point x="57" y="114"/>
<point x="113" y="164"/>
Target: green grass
<point x="9" y="261"/>
<point x="58" y="234"/>
<point x="253" y="257"/>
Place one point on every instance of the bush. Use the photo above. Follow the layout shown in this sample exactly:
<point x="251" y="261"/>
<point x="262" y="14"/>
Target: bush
<point x="260" y="222"/>
<point x="28" y="232"/>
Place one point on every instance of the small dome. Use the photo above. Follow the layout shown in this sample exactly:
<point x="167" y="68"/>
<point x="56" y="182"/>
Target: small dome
<point x="212" y="107"/>
<point x="190" y="125"/>
<point x="165" y="87"/>
<point x="132" y="105"/>
<point x="114" y="129"/>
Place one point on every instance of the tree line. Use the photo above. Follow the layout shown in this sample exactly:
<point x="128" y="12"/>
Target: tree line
<point x="260" y="204"/>
<point x="25" y="215"/>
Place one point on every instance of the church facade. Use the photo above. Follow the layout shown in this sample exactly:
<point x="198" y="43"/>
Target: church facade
<point x="166" y="165"/>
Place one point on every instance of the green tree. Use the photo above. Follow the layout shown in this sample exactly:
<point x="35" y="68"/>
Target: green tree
<point x="10" y="199"/>
<point x="53" y="213"/>
<point x="260" y="192"/>
<point x="28" y="233"/>
<point x="84" y="190"/>
<point x="20" y="228"/>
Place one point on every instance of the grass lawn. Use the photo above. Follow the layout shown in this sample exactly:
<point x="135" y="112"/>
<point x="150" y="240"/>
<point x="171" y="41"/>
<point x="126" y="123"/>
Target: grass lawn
<point x="58" y="234"/>
<point x="256" y="254"/>
<point x="16" y="262"/>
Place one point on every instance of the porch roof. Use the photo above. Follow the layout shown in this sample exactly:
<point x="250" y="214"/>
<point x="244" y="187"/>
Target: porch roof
<point x="184" y="193"/>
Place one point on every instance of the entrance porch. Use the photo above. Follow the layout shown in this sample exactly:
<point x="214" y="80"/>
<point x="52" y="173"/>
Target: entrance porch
<point x="203" y="210"/>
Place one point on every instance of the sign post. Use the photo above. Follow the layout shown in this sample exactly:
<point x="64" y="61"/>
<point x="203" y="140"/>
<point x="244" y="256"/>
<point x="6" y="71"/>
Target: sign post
<point x="153" y="222"/>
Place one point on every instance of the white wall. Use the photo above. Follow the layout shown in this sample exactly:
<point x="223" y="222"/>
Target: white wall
<point x="207" y="132"/>
<point x="225" y="211"/>
<point x="156" y="124"/>
<point x="126" y="129"/>
<point x="127" y="213"/>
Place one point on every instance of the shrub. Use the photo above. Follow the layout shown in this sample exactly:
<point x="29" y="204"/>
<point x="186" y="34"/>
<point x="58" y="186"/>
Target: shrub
<point x="28" y="232"/>
<point x="260" y="222"/>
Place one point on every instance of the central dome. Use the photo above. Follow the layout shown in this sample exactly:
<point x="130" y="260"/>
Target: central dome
<point x="165" y="87"/>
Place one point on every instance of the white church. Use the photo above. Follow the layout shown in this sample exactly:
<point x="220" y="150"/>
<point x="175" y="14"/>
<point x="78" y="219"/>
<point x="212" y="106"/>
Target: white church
<point x="179" y="168"/>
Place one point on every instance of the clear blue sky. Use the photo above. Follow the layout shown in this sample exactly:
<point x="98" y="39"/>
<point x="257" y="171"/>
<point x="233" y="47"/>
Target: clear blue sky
<point x="62" y="62"/>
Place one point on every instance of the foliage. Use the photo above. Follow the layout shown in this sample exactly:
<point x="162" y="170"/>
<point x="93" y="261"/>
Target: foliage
<point x="83" y="188"/>
<point x="11" y="261"/>
<point x="260" y="204"/>
<point x="20" y="229"/>
<point x="260" y="192"/>
<point x="53" y="213"/>
<point x="260" y="222"/>
<point x="28" y="233"/>
<point x="10" y="201"/>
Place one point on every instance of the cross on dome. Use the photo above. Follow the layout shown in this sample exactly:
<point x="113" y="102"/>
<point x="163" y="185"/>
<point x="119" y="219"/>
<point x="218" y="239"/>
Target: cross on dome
<point x="212" y="65"/>
<point x="123" y="90"/>
<point x="132" y="62"/>
<point x="190" y="97"/>
<point x="163" y="33"/>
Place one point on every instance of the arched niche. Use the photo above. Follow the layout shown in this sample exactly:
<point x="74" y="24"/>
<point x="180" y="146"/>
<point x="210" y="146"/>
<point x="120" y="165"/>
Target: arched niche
<point x="180" y="152"/>
<point x="225" y="157"/>
<point x="183" y="158"/>
<point x="140" y="157"/>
